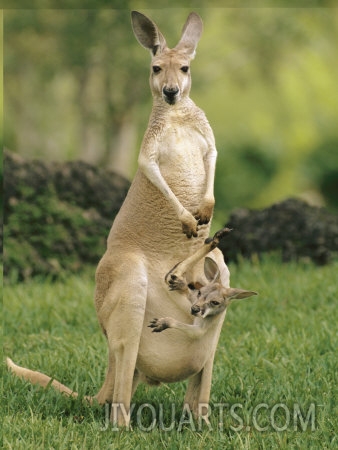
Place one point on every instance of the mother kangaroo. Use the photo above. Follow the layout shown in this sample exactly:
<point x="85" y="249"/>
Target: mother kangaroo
<point x="164" y="219"/>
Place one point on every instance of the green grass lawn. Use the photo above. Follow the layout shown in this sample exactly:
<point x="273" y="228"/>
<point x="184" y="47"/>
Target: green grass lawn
<point x="275" y="373"/>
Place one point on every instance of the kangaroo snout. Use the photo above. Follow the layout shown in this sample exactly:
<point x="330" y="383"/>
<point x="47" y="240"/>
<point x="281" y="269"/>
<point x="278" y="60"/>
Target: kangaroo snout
<point x="170" y="94"/>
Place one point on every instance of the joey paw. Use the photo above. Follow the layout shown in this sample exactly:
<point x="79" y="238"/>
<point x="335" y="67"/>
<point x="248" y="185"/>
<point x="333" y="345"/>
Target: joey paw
<point x="158" y="325"/>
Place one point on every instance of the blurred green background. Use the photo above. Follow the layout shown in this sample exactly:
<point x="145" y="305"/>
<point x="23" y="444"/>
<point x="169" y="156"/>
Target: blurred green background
<point x="76" y="87"/>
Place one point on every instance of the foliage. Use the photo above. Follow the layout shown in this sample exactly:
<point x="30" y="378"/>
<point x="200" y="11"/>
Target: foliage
<point x="277" y="348"/>
<point x="271" y="91"/>
<point x="70" y="58"/>
<point x="266" y="78"/>
<point x="44" y="227"/>
<point x="322" y="167"/>
<point x="57" y="216"/>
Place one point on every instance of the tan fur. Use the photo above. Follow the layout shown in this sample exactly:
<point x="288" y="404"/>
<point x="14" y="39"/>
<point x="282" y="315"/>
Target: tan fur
<point x="209" y="302"/>
<point x="172" y="192"/>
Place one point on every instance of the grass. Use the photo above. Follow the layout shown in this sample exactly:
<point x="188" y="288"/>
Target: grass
<point x="275" y="372"/>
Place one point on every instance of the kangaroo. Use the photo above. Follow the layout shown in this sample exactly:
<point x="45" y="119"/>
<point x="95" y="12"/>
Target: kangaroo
<point x="165" y="218"/>
<point x="208" y="301"/>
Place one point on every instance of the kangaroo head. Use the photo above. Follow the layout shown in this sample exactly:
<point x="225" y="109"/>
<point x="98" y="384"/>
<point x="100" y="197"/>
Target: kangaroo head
<point x="214" y="298"/>
<point x="170" y="68"/>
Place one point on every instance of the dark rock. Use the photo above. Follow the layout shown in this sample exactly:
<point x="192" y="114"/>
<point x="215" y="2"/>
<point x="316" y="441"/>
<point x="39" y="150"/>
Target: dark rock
<point x="292" y="227"/>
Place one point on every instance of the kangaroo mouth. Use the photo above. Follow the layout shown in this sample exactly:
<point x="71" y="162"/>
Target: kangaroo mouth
<point x="171" y="100"/>
<point x="203" y="313"/>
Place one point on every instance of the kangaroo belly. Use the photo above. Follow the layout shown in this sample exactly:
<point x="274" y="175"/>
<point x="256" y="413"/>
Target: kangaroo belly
<point x="169" y="356"/>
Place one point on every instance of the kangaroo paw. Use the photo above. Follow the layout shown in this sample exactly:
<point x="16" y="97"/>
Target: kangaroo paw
<point x="159" y="325"/>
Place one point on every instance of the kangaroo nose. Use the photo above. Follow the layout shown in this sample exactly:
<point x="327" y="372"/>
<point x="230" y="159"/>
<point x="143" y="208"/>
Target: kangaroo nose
<point x="170" y="93"/>
<point x="195" y="309"/>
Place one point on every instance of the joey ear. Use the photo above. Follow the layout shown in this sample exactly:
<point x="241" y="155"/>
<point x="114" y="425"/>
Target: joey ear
<point x="191" y="34"/>
<point x="233" y="293"/>
<point x="211" y="270"/>
<point x="147" y="33"/>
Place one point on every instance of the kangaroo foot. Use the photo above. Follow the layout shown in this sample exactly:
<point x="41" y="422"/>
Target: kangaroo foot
<point x="175" y="280"/>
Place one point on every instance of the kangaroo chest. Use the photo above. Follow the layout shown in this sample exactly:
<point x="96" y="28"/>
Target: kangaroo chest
<point x="182" y="150"/>
<point x="181" y="162"/>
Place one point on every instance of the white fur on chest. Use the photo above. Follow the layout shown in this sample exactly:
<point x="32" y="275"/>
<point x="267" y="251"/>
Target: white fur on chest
<point x="181" y="144"/>
<point x="181" y="156"/>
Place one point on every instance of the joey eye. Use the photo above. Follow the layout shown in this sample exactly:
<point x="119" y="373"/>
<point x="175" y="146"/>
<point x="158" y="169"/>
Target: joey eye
<point x="156" y="69"/>
<point x="185" y="69"/>
<point x="215" y="303"/>
<point x="198" y="293"/>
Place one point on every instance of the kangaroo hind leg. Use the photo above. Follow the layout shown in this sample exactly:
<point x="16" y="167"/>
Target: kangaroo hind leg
<point x="124" y="307"/>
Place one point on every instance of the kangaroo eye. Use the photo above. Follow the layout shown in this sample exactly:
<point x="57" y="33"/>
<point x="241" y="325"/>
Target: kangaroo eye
<point x="185" y="69"/>
<point x="215" y="303"/>
<point x="156" y="69"/>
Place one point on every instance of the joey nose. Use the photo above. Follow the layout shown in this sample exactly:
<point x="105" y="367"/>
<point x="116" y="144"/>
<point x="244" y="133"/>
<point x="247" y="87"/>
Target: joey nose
<point x="195" y="309"/>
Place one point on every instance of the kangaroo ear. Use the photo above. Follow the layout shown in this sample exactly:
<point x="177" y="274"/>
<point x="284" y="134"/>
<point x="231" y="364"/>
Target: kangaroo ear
<point x="191" y="34"/>
<point x="147" y="33"/>
<point x="233" y="293"/>
<point x="211" y="270"/>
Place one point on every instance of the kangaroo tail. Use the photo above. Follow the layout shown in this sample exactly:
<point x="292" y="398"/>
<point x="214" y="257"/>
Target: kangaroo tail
<point x="39" y="378"/>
